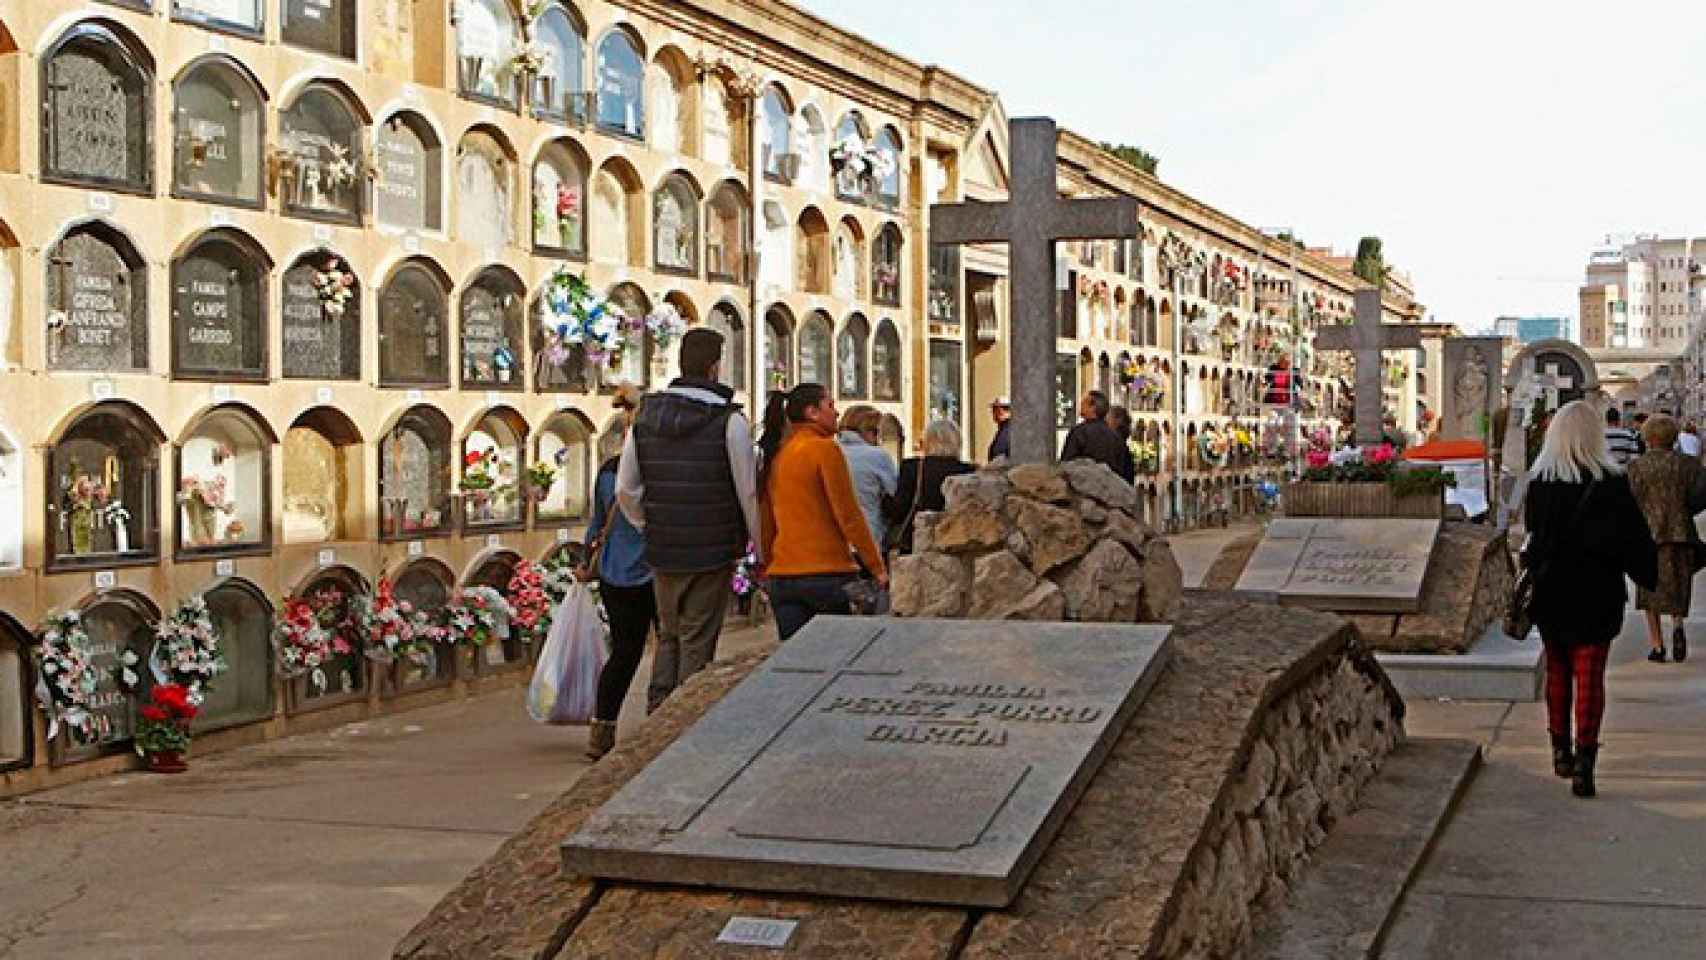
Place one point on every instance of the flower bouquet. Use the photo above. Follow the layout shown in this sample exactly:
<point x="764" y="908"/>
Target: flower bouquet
<point x="530" y="603"/>
<point x="309" y="635"/>
<point x="1213" y="447"/>
<point x="389" y="627"/>
<point x="335" y="286"/>
<point x="477" y="616"/>
<point x="568" y="216"/>
<point x="186" y="650"/>
<point x="341" y="169"/>
<point x="1146" y="455"/>
<point x="479" y="473"/>
<point x="202" y="500"/>
<point x="540" y="476"/>
<point x="529" y="59"/>
<point x="571" y="315"/>
<point x="163" y="728"/>
<point x="666" y="326"/>
<point x="82" y="497"/>
<point x="69" y="679"/>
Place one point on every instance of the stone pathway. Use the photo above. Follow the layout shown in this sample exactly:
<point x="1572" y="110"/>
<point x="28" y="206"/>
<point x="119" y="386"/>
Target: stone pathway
<point x="322" y="845"/>
<point x="1526" y="870"/>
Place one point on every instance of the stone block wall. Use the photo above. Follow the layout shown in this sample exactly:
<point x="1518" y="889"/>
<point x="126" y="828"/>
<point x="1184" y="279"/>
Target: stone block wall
<point x="1034" y="542"/>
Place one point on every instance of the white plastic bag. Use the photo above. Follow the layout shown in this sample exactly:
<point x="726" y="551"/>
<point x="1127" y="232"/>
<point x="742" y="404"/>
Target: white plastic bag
<point x="565" y="683"/>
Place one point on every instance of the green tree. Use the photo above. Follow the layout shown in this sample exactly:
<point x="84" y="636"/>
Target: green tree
<point x="1370" y="262"/>
<point x="1135" y="156"/>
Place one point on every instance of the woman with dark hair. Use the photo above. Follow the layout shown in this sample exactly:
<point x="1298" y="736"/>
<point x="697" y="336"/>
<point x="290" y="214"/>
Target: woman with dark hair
<point x="810" y="517"/>
<point x="625" y="581"/>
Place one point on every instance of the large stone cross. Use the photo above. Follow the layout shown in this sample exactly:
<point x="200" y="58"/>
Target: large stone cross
<point x="1030" y="223"/>
<point x="1365" y="340"/>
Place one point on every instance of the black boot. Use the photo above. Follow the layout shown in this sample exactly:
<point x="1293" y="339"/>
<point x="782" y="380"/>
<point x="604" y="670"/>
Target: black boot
<point x="1678" y="644"/>
<point x="1582" y="783"/>
<point x="1563" y="758"/>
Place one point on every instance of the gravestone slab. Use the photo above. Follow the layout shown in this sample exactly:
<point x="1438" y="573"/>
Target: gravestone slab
<point x="920" y="760"/>
<point x="1343" y="564"/>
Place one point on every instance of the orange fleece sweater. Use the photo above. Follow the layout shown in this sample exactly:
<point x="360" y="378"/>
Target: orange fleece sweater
<point x="810" y="515"/>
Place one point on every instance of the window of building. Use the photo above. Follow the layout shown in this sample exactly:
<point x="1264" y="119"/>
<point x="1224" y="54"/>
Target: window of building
<point x="853" y="380"/>
<point x="219" y="133"/>
<point x="493" y="457"/>
<point x="634" y="364"/>
<point x="885" y="266"/>
<point x="485" y="190"/>
<point x="725" y="318"/>
<point x="675" y="225"/>
<point x="97" y="302"/>
<point x="425" y="585"/>
<point x="559" y="88"/>
<point x="344" y="678"/>
<point x="327" y="26"/>
<point x="492" y="309"/>
<point x="487" y="41"/>
<point x="224" y="484"/>
<point x="816" y="357"/>
<point x="322" y="478"/>
<point x="322" y="176"/>
<point x="219" y="294"/>
<point x="243" y="619"/>
<point x="408" y="187"/>
<point x="886" y="363"/>
<point x="565" y="442"/>
<point x="621" y="80"/>
<point x="559" y="200"/>
<point x="778" y="348"/>
<point x="414" y="476"/>
<point x="321" y="318"/>
<point x="97" y="113"/>
<point x="116" y="621"/>
<point x="413" y="306"/>
<point x="104" y="478"/>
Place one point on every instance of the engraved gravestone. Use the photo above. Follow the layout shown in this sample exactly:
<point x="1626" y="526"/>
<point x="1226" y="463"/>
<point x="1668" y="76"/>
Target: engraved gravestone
<point x="317" y="24"/>
<point x="96" y="114"/>
<point x="95" y="307"/>
<point x="405" y="191"/>
<point x="217" y="128"/>
<point x="487" y="357"/>
<point x="216" y="312"/>
<point x="111" y="627"/>
<point x="1343" y="564"/>
<point x="317" y="344"/>
<point x="411" y="328"/>
<point x="922" y="760"/>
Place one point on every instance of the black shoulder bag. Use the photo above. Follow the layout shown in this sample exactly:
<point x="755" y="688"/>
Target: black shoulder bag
<point x="1519" y="619"/>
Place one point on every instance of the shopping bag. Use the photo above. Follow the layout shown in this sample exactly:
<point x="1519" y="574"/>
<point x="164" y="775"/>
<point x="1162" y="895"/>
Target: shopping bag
<point x="564" y="689"/>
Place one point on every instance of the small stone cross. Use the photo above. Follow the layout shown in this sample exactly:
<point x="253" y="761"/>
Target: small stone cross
<point x="1365" y="340"/>
<point x="1030" y="223"/>
<point x="1551" y="382"/>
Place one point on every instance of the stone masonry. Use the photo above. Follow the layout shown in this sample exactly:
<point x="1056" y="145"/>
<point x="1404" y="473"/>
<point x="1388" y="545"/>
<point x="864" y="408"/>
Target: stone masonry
<point x="1034" y="542"/>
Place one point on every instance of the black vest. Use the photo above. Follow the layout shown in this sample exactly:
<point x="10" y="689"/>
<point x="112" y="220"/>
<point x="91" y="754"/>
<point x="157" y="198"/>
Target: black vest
<point x="693" y="516"/>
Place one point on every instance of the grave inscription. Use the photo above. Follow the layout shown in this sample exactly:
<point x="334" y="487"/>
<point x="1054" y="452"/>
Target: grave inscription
<point x="94" y="319"/>
<point x="1344" y="564"/>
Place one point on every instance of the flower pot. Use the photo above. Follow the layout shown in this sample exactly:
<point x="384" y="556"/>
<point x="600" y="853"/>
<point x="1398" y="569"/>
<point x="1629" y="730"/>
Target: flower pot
<point x="166" y="761"/>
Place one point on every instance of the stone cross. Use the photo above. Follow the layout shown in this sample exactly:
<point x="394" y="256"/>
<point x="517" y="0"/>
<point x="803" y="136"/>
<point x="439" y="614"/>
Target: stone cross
<point x="1365" y="340"/>
<point x="1030" y="223"/>
<point x="1551" y="382"/>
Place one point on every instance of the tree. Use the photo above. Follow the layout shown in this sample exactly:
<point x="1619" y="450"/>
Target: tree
<point x="1370" y="262"/>
<point x="1134" y="156"/>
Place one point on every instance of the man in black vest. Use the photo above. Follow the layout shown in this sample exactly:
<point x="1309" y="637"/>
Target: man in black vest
<point x="689" y="481"/>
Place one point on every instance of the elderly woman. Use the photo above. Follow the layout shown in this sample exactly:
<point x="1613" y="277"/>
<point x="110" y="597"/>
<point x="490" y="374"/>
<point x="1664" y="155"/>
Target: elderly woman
<point x="921" y="479"/>
<point x="871" y="466"/>
<point x="1585" y="534"/>
<point x="1671" y="489"/>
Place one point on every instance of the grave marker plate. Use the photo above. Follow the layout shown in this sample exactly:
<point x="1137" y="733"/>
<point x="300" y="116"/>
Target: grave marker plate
<point x="1343" y="564"/>
<point x="313" y="339"/>
<point x="96" y="320"/>
<point x="922" y="760"/>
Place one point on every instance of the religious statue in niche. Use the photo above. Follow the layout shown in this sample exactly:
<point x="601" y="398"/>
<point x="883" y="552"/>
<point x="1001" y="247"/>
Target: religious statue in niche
<point x="318" y="174"/>
<point x="1469" y="392"/>
<point x="674" y="233"/>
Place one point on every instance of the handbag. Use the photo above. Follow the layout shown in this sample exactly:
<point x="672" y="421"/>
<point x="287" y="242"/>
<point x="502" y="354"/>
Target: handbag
<point x="590" y="568"/>
<point x="1519" y="618"/>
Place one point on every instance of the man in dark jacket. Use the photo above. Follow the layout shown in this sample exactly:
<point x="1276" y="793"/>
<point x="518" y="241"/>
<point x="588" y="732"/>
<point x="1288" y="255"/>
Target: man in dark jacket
<point x="1002" y="412"/>
<point x="1092" y="438"/>
<point x="688" y="481"/>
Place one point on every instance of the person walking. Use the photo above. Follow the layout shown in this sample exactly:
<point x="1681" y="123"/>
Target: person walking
<point x="921" y="479"/>
<point x="873" y="470"/>
<point x="1688" y="442"/>
<point x="1001" y="411"/>
<point x="1671" y="489"/>
<point x="688" y="481"/>
<point x="809" y="514"/>
<point x="1620" y="440"/>
<point x="1092" y="438"/>
<point x="1119" y="421"/>
<point x="625" y="584"/>
<point x="1585" y="534"/>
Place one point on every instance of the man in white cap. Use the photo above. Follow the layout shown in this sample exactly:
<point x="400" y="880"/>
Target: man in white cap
<point x="1002" y="411"/>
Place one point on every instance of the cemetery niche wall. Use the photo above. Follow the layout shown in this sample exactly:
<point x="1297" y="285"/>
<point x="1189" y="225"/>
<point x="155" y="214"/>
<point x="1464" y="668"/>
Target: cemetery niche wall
<point x="219" y="306"/>
<point x="218" y="133"/>
<point x="224" y="484"/>
<point x="328" y="592"/>
<point x="96" y="83"/>
<point x="485" y="189"/>
<point x="103" y="468"/>
<point x="322" y="478"/>
<point x="97" y="300"/>
<point x="414" y="475"/>
<point x="493" y="458"/>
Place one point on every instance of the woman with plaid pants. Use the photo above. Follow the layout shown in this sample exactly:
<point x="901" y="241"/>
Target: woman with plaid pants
<point x="1585" y="533"/>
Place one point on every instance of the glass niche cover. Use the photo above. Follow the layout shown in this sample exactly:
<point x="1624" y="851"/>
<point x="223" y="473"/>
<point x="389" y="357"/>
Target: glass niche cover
<point x="105" y="475"/>
<point x="222" y="485"/>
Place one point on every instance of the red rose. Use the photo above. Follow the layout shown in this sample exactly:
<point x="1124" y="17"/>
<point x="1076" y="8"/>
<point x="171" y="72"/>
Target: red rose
<point x="154" y="714"/>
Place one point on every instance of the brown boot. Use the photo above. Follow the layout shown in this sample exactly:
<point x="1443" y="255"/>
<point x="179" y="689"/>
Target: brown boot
<point x="601" y="739"/>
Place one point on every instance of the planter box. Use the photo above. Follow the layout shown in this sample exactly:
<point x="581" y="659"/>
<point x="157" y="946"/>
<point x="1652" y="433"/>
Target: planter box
<point x="1359" y="500"/>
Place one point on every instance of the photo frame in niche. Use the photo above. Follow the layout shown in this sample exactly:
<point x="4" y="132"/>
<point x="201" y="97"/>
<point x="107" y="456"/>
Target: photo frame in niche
<point x="98" y="110"/>
<point x="104" y="482"/>
<point x="17" y="696"/>
<point x="778" y="348"/>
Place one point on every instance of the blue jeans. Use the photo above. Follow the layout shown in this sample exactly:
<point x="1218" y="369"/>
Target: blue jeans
<point x="796" y="600"/>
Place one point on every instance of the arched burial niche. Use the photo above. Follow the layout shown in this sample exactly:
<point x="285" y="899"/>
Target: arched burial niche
<point x="634" y="364"/>
<point x="847" y="254"/>
<point x="559" y="200"/>
<point x="321" y="175"/>
<point x="321" y="319"/>
<point x="496" y="571"/>
<point x="893" y="437"/>
<point x="775" y="136"/>
<point x="224" y="484"/>
<point x="853" y="380"/>
<point x="219" y="303"/>
<point x="618" y="215"/>
<point x="103" y="475"/>
<point x="485" y="189"/>
<point x="559" y="89"/>
<point x="116" y="621"/>
<point x="97" y="301"/>
<point x="243" y="619"/>
<point x="725" y="318"/>
<point x="565" y="443"/>
<point x="811" y="145"/>
<point x="672" y="103"/>
<point x="244" y="17"/>
<point x="487" y="41"/>
<point x="886" y="363"/>
<point x="218" y="132"/>
<point x="775" y="260"/>
<point x="413" y="306"/>
<point x="890" y="181"/>
<point x="675" y="225"/>
<point x="425" y="585"/>
<point x="811" y="245"/>
<point x="97" y="110"/>
<point x="493" y="306"/>
<point x="886" y="266"/>
<point x="326" y="26"/>
<point x="494" y="453"/>
<point x="17" y="745"/>
<point x="329" y="592"/>
<point x="414" y="476"/>
<point x="11" y="505"/>
<point x="558" y="367"/>
<point x="409" y="184"/>
<point x="848" y="157"/>
<point x="322" y="478"/>
<point x="816" y="363"/>
<point x="728" y="234"/>
<point x="778" y="348"/>
<point x="621" y="79"/>
<point x="723" y="130"/>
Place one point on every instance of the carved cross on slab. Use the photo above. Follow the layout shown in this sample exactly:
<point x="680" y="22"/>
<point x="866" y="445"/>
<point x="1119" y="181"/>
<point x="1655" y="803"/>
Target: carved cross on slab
<point x="1030" y="223"/>
<point x="1365" y="341"/>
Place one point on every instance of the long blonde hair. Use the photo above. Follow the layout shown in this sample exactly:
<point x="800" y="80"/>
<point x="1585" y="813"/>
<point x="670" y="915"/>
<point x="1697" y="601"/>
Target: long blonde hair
<point x="1574" y="449"/>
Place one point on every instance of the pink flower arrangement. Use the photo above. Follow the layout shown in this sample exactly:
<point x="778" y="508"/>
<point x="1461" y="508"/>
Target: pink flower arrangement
<point x="528" y="601"/>
<point x="1381" y="454"/>
<point x="568" y="202"/>
<point x="1318" y="459"/>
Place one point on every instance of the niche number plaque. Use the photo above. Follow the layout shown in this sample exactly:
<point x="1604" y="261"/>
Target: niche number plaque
<point x="758" y="932"/>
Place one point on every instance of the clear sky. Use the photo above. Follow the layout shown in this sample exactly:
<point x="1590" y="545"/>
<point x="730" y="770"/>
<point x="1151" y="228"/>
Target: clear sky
<point x="1492" y="145"/>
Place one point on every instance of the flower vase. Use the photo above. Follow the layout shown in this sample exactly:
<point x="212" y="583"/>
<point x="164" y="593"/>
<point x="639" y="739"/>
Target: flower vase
<point x="82" y="530"/>
<point x="200" y="517"/>
<point x="166" y="761"/>
<point x="121" y="537"/>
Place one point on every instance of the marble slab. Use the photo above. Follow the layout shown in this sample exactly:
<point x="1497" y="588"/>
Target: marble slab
<point x="1343" y="564"/>
<point x="916" y="760"/>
